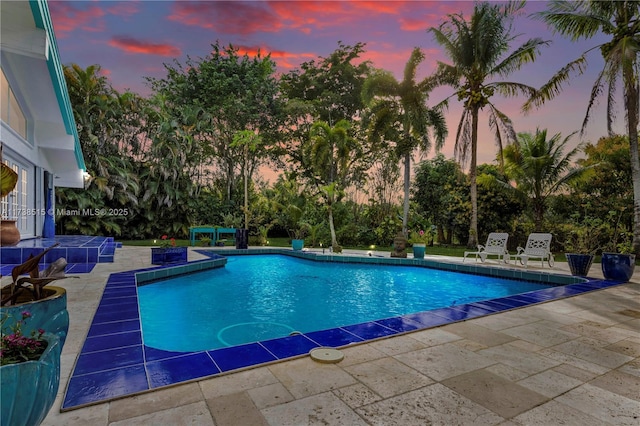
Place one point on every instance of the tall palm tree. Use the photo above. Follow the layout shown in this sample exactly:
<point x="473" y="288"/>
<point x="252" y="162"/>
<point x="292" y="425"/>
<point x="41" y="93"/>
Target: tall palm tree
<point x="329" y="154"/>
<point x="540" y="167"/>
<point x="583" y="19"/>
<point x="400" y="114"/>
<point x="477" y="49"/>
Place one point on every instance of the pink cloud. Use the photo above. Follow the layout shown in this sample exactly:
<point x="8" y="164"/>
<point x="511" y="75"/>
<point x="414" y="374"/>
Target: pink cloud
<point x="131" y="45"/>
<point x="125" y="9"/>
<point x="273" y="16"/>
<point x="67" y="18"/>
<point x="228" y="17"/>
<point x="282" y="58"/>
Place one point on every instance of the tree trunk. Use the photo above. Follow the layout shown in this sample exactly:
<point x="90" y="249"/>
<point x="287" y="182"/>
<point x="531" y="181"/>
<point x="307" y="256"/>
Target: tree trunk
<point x="538" y="215"/>
<point x="246" y="185"/>
<point x="407" y="181"/>
<point x="334" y="241"/>
<point x="631" y="100"/>
<point x="441" y="237"/>
<point x="473" y="226"/>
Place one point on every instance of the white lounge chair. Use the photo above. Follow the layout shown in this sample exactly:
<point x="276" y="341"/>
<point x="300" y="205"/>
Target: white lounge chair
<point x="496" y="246"/>
<point x="538" y="247"/>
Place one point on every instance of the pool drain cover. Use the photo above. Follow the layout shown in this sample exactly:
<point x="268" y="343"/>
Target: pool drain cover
<point x="326" y="355"/>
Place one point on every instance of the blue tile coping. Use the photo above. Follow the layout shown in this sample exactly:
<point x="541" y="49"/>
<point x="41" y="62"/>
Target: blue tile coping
<point x="114" y="361"/>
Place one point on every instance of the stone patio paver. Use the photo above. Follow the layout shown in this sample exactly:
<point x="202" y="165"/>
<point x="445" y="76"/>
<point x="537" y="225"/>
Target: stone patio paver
<point x="555" y="413"/>
<point x="357" y="395"/>
<point x="304" y="377"/>
<point x="388" y="377"/>
<point x="597" y="355"/>
<point x="500" y="395"/>
<point x="444" y="361"/>
<point x="398" y="345"/>
<point x="516" y="357"/>
<point x="321" y="409"/>
<point x="432" y="405"/>
<point x="550" y="383"/>
<point x="235" y="409"/>
<point x="604" y="405"/>
<point x="479" y="334"/>
<point x="544" y="335"/>
<point x="162" y="399"/>
<point x="620" y="383"/>
<point x="270" y="395"/>
<point x="191" y="414"/>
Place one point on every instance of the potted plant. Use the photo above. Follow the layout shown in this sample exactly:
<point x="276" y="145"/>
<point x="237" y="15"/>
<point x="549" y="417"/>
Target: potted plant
<point x="418" y="240"/>
<point x="48" y="306"/>
<point x="582" y="242"/>
<point x="290" y="218"/>
<point x="168" y="252"/>
<point x="298" y="233"/>
<point x="619" y="265"/>
<point x="29" y="371"/>
<point x="30" y="357"/>
<point x="9" y="233"/>
<point x="205" y="241"/>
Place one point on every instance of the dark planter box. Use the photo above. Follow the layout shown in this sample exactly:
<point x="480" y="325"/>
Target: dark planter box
<point x="162" y="256"/>
<point x="617" y="266"/>
<point x="242" y="238"/>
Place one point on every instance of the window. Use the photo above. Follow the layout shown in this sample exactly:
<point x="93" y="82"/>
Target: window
<point x="11" y="113"/>
<point x="19" y="204"/>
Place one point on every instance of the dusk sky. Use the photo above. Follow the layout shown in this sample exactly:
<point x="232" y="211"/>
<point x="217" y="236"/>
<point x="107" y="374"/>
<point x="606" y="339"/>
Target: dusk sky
<point x="131" y="40"/>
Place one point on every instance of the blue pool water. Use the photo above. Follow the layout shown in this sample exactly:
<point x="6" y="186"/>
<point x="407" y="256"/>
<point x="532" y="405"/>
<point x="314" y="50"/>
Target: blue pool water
<point x="262" y="297"/>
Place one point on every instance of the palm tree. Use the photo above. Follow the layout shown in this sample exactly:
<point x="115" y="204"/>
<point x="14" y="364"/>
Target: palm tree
<point x="329" y="154"/>
<point x="400" y="114"/>
<point x="476" y="48"/>
<point x="540" y="168"/>
<point x="621" y="20"/>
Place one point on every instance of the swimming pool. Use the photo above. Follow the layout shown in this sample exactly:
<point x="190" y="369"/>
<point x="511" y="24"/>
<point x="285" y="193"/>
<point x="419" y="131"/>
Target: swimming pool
<point x="266" y="296"/>
<point x="116" y="361"/>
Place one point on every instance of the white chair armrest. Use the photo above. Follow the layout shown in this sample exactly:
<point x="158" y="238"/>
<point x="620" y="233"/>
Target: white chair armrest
<point x="520" y="250"/>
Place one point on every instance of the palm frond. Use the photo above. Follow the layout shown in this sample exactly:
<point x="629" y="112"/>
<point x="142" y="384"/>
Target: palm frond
<point x="595" y="92"/>
<point x="463" y="138"/>
<point x="522" y="55"/>
<point x="553" y="87"/>
<point x="573" y="18"/>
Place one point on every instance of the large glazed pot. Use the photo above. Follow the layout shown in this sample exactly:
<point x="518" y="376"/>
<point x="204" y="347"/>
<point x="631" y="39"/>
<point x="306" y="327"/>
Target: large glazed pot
<point x="49" y="314"/>
<point x="618" y="266"/>
<point x="297" y="244"/>
<point x="579" y="263"/>
<point x="419" y="250"/>
<point x="28" y="389"/>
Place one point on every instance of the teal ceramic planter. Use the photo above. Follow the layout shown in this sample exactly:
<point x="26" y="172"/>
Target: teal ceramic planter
<point x="297" y="244"/>
<point x="418" y="251"/>
<point x="49" y="314"/>
<point x="28" y="389"/>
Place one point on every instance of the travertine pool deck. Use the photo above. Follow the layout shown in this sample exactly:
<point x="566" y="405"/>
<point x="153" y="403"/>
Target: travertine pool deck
<point x="570" y="361"/>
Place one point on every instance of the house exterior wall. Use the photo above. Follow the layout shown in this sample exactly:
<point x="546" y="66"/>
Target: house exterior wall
<point x="30" y="61"/>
